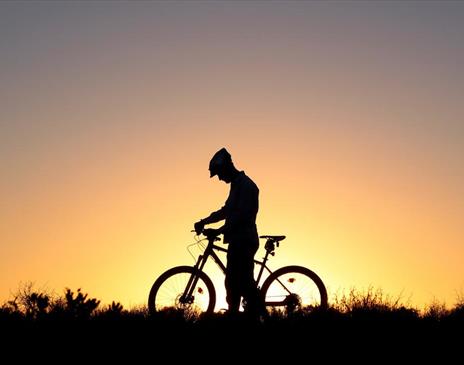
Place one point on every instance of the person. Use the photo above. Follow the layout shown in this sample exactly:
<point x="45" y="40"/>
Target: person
<point x="240" y="232"/>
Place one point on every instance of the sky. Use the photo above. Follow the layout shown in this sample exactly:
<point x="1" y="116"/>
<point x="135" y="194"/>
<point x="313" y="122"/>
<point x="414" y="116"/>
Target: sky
<point x="347" y="115"/>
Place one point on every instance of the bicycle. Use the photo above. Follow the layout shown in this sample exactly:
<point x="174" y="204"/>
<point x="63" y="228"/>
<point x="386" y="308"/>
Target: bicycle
<point x="190" y="288"/>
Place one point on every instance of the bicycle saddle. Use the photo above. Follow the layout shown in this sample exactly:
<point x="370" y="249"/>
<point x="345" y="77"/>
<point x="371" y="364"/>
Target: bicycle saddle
<point x="273" y="238"/>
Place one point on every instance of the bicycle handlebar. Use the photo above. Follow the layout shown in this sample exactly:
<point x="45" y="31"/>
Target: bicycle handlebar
<point x="210" y="233"/>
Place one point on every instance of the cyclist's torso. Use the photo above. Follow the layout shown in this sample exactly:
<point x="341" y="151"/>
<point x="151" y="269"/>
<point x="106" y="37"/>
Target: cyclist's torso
<point x="241" y="211"/>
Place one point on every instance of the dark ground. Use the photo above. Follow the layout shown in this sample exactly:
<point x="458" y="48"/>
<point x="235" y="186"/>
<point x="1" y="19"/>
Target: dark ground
<point x="291" y="339"/>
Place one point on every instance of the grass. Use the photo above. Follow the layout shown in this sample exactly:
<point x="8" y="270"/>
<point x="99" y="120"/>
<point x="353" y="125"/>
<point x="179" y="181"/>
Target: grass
<point x="355" y="323"/>
<point x="359" y="317"/>
<point x="29" y="304"/>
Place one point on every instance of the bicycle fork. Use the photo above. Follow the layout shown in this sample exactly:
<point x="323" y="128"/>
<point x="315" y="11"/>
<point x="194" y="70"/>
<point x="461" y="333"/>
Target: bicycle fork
<point x="188" y="296"/>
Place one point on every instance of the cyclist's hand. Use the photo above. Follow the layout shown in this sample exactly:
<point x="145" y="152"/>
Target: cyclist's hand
<point x="199" y="226"/>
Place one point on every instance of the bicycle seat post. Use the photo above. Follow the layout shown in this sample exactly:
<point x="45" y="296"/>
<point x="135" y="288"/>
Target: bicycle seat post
<point x="269" y="247"/>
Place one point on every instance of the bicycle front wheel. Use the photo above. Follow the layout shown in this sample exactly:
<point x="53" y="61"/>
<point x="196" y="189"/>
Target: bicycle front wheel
<point x="292" y="288"/>
<point x="169" y="291"/>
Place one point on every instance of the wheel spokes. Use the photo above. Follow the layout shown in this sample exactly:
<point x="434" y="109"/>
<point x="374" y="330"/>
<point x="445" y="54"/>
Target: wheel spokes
<point x="171" y="294"/>
<point x="292" y="291"/>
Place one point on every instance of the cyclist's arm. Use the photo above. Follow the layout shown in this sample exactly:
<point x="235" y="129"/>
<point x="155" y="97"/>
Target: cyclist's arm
<point x="220" y="214"/>
<point x="215" y="216"/>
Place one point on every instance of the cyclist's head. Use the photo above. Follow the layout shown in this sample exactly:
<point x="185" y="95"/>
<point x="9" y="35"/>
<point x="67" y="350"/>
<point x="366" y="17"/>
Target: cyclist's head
<point x="220" y="163"/>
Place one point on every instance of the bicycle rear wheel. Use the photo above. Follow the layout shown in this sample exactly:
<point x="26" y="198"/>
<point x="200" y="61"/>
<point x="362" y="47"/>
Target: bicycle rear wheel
<point x="292" y="288"/>
<point x="168" y="292"/>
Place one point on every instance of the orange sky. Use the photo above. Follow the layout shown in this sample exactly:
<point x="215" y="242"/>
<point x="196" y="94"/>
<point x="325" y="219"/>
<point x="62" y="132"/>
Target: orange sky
<point x="347" y="115"/>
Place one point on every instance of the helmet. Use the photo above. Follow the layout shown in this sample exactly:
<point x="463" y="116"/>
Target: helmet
<point x="220" y="159"/>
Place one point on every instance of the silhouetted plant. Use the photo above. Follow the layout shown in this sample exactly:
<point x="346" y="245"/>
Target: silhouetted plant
<point x="115" y="307"/>
<point x="139" y="312"/>
<point x="114" y="310"/>
<point x="178" y="314"/>
<point x="10" y="311"/>
<point x="373" y="303"/>
<point x="456" y="314"/>
<point x="39" y="304"/>
<point x="436" y="311"/>
<point x="79" y="306"/>
<point x="30" y="302"/>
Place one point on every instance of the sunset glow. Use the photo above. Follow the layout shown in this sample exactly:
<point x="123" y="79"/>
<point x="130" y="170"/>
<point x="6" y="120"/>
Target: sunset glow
<point x="348" y="116"/>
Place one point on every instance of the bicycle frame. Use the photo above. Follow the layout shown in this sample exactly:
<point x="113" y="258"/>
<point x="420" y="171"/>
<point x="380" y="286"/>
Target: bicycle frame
<point x="187" y="296"/>
<point x="290" y="286"/>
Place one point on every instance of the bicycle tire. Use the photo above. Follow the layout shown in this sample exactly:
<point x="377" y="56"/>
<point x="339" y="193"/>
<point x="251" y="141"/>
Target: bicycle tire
<point x="155" y="301"/>
<point x="272" y="280"/>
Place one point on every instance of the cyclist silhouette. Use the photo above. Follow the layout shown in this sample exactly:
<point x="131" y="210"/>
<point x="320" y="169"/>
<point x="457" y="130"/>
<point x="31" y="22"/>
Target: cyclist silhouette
<point x="240" y="232"/>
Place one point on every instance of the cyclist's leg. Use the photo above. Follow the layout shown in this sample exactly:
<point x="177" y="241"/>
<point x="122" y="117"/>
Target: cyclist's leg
<point x="240" y="276"/>
<point x="232" y="280"/>
<point x="250" y="292"/>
